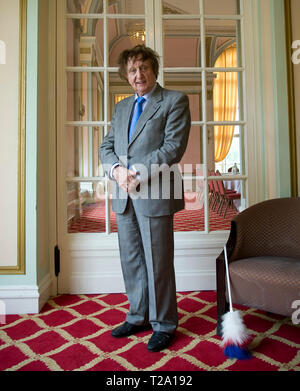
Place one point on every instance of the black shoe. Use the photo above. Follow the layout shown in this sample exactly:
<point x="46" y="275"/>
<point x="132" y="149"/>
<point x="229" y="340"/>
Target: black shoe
<point x="126" y="329"/>
<point x="159" y="341"/>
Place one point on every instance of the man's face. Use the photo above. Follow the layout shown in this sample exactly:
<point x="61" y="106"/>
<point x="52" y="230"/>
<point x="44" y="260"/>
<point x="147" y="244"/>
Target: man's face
<point x="140" y="75"/>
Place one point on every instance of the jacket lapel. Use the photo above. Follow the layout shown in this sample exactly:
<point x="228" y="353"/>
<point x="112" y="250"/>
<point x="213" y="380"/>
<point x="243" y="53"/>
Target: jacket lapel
<point x="151" y="108"/>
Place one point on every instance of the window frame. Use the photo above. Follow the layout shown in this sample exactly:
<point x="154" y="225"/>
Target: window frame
<point x="153" y="12"/>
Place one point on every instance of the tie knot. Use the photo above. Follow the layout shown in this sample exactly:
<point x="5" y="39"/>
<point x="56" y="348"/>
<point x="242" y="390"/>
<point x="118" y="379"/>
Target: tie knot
<point x="140" y="100"/>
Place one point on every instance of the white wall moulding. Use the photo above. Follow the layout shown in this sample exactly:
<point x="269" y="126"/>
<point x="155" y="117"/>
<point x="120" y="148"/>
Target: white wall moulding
<point x="195" y="263"/>
<point x="26" y="299"/>
<point x="12" y="100"/>
<point x="20" y="299"/>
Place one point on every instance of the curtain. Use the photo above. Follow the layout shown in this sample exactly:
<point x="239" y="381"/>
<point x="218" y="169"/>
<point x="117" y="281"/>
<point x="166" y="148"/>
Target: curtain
<point x="225" y="102"/>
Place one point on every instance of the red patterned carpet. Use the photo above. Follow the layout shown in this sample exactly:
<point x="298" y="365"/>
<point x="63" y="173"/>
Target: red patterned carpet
<point x="92" y="219"/>
<point x="72" y="333"/>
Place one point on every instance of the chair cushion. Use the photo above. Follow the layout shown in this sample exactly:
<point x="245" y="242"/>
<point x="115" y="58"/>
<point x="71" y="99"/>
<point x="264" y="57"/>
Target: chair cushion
<point x="267" y="283"/>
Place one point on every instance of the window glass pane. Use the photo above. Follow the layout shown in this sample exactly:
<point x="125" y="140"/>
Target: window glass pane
<point x="136" y="7"/>
<point x="181" y="43"/>
<point x="233" y="161"/>
<point x="192" y="217"/>
<point x="85" y="42"/>
<point x="174" y="7"/>
<point x="224" y="96"/>
<point x="190" y="84"/>
<point x="226" y="200"/>
<point x="222" y="35"/>
<point x="228" y="143"/>
<point x="86" y="207"/>
<point x="192" y="159"/>
<point x="84" y="7"/>
<point x="118" y="90"/>
<point x="124" y="34"/>
<point x="82" y="151"/>
<point x="85" y="96"/>
<point x="221" y="7"/>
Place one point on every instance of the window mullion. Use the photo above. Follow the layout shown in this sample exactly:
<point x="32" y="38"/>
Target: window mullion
<point x="243" y="97"/>
<point x="106" y="108"/>
<point x="158" y="37"/>
<point x="204" y="117"/>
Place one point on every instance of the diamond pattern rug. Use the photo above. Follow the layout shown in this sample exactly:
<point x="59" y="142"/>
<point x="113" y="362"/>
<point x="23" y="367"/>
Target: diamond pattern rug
<point x="72" y="333"/>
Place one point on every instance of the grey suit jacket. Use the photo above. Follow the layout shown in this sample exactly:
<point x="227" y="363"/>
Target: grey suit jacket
<point x="155" y="149"/>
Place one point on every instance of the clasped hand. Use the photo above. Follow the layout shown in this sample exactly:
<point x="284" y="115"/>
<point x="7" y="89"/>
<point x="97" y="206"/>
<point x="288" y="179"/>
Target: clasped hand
<point x="126" y="179"/>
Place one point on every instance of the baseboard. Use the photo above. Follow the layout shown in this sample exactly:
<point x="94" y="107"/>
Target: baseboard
<point x="25" y="299"/>
<point x="45" y="290"/>
<point x="94" y="283"/>
<point x="196" y="281"/>
<point x="20" y="299"/>
<point x="31" y="299"/>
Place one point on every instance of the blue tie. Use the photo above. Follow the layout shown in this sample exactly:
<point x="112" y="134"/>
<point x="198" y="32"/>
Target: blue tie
<point x="136" y="115"/>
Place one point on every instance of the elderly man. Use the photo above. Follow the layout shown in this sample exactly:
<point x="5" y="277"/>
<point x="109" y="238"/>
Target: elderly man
<point x="148" y="137"/>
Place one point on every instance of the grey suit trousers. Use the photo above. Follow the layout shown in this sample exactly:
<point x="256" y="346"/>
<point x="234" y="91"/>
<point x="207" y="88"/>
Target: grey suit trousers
<point x="147" y="260"/>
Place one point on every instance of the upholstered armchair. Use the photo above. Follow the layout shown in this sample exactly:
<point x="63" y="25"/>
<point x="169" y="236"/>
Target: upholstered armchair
<point x="263" y="251"/>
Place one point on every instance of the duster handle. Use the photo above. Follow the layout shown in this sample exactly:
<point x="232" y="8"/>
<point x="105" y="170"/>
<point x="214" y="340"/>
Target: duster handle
<point x="228" y="280"/>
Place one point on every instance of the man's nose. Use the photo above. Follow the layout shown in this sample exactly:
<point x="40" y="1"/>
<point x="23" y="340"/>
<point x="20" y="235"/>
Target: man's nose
<point x="138" y="73"/>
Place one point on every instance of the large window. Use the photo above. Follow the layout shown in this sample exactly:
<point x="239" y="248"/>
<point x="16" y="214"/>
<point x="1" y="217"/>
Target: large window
<point x="200" y="43"/>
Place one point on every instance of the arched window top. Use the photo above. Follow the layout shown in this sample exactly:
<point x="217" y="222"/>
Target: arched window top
<point x="227" y="58"/>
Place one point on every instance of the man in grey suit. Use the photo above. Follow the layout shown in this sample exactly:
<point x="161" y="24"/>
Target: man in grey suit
<point x="148" y="137"/>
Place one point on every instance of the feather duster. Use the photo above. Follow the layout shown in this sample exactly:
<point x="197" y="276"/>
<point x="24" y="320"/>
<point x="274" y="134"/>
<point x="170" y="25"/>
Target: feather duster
<point x="234" y="333"/>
